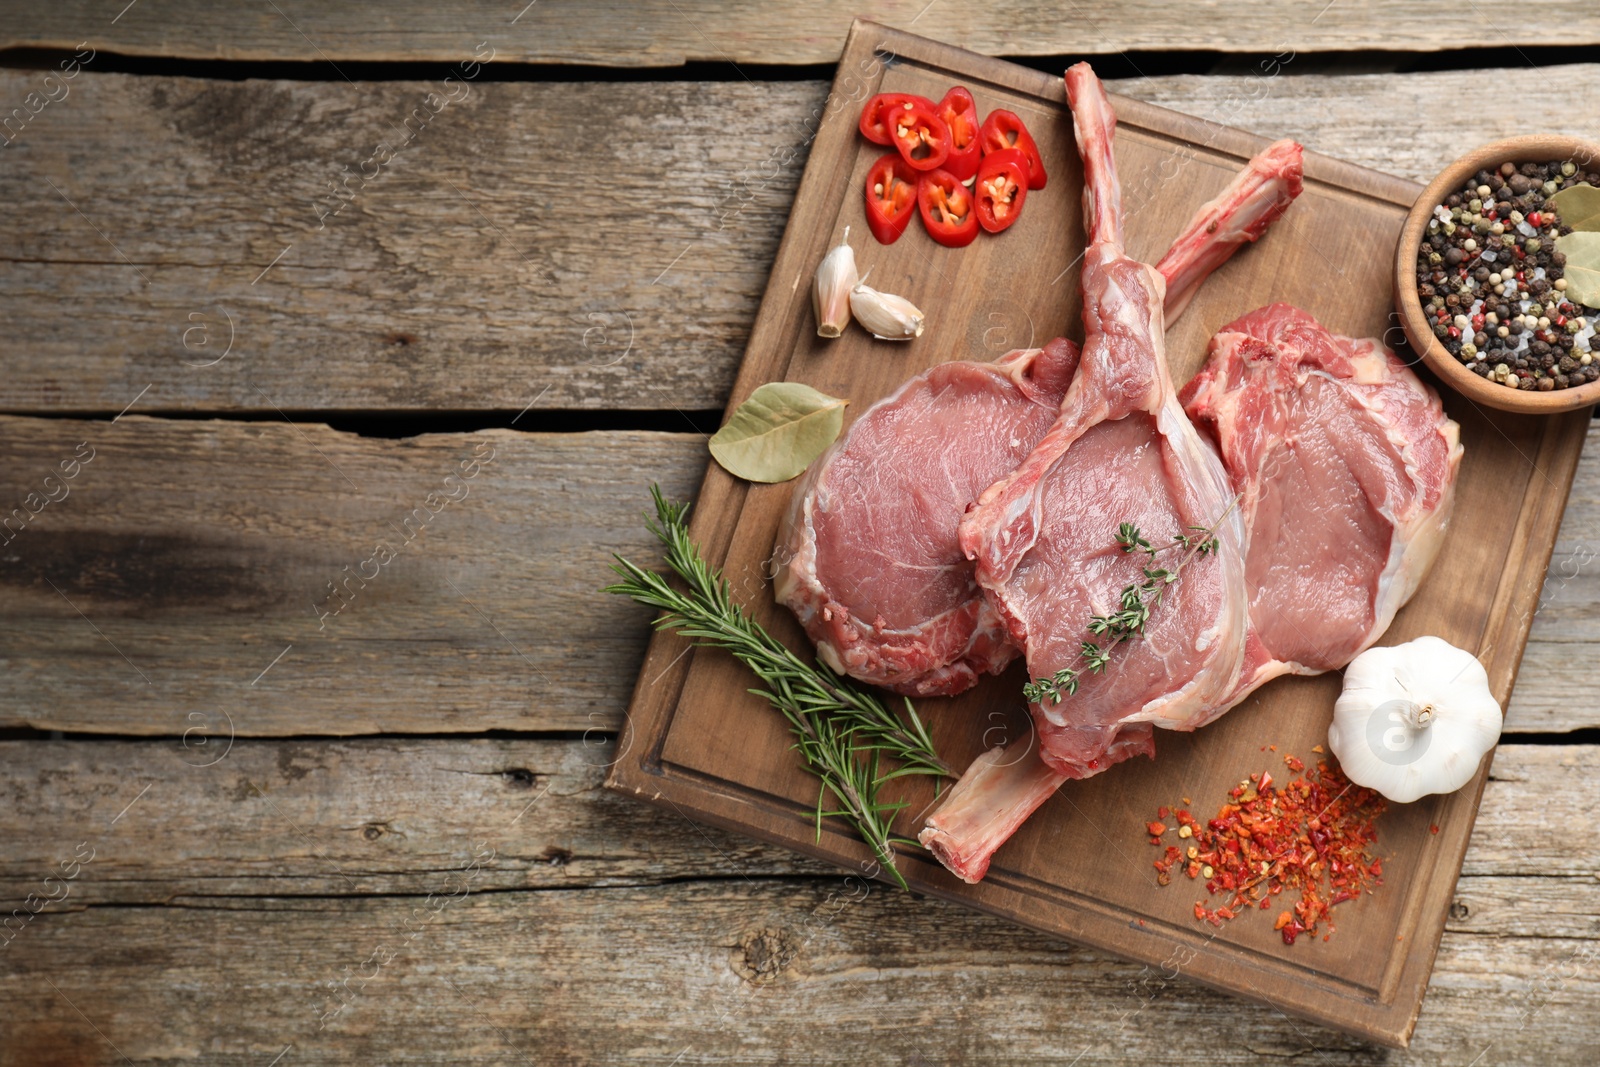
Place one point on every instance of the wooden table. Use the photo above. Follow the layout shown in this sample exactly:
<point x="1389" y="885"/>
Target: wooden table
<point x="284" y="287"/>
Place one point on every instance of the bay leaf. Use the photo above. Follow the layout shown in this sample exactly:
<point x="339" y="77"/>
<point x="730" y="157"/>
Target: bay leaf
<point x="1578" y="206"/>
<point x="777" y="432"/>
<point x="1582" y="249"/>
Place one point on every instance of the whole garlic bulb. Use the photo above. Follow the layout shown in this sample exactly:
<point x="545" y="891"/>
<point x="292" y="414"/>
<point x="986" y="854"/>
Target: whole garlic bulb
<point x="1414" y="719"/>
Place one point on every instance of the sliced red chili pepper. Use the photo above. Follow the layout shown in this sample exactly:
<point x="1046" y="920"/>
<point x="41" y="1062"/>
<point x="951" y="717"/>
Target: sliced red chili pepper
<point x="891" y="198"/>
<point x="1003" y="130"/>
<point x="948" y="212"/>
<point x="1001" y="189"/>
<point x="960" y="114"/>
<point x="871" y="125"/>
<point x="920" y="135"/>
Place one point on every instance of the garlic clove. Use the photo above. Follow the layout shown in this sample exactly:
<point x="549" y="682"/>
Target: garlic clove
<point x="830" y="289"/>
<point x="886" y="316"/>
<point x="1414" y="719"/>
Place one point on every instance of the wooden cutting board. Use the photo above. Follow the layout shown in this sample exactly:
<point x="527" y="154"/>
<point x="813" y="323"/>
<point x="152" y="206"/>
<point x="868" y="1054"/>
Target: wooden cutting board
<point x="1081" y="869"/>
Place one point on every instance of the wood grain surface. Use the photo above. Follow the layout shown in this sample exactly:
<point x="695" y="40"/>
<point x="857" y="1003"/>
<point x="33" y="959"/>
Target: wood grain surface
<point x="230" y="944"/>
<point x="186" y="558"/>
<point x="616" y="33"/>
<point x="697" y="736"/>
<point x="161" y="544"/>
<point x="465" y="276"/>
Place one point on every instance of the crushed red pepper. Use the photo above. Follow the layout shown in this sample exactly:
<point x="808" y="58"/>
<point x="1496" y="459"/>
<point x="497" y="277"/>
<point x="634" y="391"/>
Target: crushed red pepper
<point x="1312" y="835"/>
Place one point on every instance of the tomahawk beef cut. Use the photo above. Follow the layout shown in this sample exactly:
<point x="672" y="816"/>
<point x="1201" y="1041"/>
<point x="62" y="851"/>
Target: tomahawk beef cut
<point x="1122" y="451"/>
<point x="870" y="560"/>
<point x="1345" y="466"/>
<point x="1044" y="538"/>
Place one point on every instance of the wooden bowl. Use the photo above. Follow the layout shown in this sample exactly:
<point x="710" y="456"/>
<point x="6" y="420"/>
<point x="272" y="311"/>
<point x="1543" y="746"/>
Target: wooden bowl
<point x="1540" y="148"/>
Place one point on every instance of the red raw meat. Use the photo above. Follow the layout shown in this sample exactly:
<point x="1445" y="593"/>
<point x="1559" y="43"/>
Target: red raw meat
<point x="1122" y="450"/>
<point x="1043" y="538"/>
<point x="1345" y="463"/>
<point x="870" y="561"/>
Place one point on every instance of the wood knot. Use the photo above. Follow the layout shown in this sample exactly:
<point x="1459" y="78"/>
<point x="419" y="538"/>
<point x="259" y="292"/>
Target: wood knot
<point x="764" y="954"/>
<point x="374" y="830"/>
<point x="556" y="857"/>
<point x="1459" y="910"/>
<point x="519" y="778"/>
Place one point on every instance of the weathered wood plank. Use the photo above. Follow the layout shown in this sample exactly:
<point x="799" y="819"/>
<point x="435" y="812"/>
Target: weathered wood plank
<point x="382" y="816"/>
<point x="198" y="549"/>
<point x="749" y="945"/>
<point x="469" y="273"/>
<point x="186" y="558"/>
<point x="616" y="33"/>
<point x="300" y="818"/>
<point x="702" y="974"/>
<point x="757" y="972"/>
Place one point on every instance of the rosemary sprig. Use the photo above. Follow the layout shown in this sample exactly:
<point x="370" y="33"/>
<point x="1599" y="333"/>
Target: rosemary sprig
<point x="1138" y="600"/>
<point x="843" y="732"/>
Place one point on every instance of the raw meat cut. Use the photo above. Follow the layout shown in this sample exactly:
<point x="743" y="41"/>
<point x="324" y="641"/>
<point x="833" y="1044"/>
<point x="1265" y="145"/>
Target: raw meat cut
<point x="1044" y="537"/>
<point x="1121" y="450"/>
<point x="1345" y="465"/>
<point x="1044" y="541"/>
<point x="870" y="561"/>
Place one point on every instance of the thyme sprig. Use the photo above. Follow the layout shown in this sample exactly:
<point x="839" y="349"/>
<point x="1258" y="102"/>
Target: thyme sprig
<point x="844" y="733"/>
<point x="1138" y="600"/>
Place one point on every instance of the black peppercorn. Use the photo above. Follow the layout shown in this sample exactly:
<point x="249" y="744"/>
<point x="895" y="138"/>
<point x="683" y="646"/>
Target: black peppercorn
<point x="1459" y="265"/>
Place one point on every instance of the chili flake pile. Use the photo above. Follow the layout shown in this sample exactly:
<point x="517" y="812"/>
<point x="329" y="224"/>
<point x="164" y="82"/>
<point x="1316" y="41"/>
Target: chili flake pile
<point x="1311" y="835"/>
